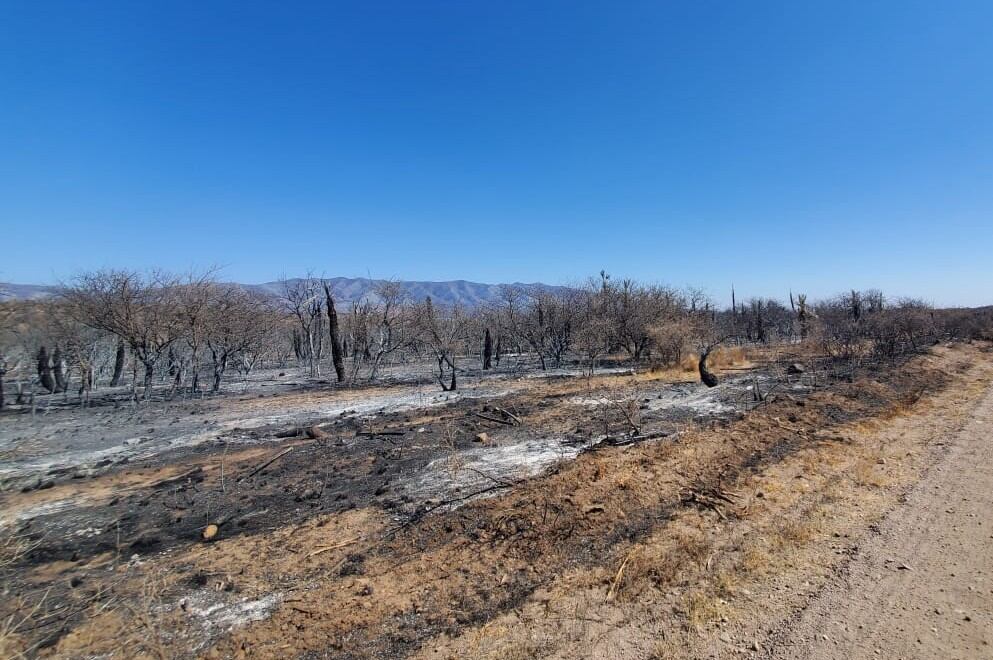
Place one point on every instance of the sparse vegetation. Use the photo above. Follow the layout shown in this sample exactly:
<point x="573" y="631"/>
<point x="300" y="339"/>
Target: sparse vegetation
<point x="574" y="476"/>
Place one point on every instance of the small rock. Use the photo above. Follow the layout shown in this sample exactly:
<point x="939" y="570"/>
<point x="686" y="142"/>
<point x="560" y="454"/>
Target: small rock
<point x="209" y="532"/>
<point x="481" y="437"/>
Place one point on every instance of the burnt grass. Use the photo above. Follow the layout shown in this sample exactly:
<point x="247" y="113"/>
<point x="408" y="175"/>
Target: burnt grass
<point x="347" y="467"/>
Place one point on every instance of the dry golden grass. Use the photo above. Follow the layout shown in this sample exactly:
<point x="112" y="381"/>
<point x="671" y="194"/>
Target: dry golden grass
<point x="702" y="607"/>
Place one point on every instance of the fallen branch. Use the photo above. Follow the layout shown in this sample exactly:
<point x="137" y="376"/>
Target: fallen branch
<point x="266" y="464"/>
<point x="497" y="480"/>
<point x="612" y="592"/>
<point x="375" y="433"/>
<point x="612" y="441"/>
<point x="508" y="414"/>
<point x="178" y="477"/>
<point x="631" y="439"/>
<point x="494" y="419"/>
<point x="333" y="547"/>
<point x="707" y="497"/>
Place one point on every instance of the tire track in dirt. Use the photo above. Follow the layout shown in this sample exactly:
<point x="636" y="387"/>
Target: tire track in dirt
<point x="922" y="586"/>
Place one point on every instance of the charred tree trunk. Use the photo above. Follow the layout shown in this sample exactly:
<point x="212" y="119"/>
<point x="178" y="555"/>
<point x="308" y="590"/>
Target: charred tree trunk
<point x="45" y="370"/>
<point x="149" y="375"/>
<point x="118" y="365"/>
<point x="706" y="375"/>
<point x="487" y="350"/>
<point x="86" y="378"/>
<point x="297" y="346"/>
<point x="498" y="350"/>
<point x="337" y="353"/>
<point x="59" y="371"/>
<point x="442" y="361"/>
<point x="220" y="366"/>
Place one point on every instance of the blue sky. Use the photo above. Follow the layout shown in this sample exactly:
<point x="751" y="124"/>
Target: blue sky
<point x="808" y="146"/>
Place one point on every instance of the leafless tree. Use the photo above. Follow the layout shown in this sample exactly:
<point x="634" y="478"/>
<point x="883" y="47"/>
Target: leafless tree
<point x="391" y="318"/>
<point x="239" y="325"/>
<point x="141" y="309"/>
<point x="443" y="331"/>
<point x="303" y="300"/>
<point x="194" y="296"/>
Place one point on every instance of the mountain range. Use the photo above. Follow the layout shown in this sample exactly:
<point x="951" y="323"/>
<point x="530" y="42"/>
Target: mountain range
<point x="347" y="289"/>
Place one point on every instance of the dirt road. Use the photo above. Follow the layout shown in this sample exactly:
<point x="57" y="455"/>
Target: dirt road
<point x="922" y="587"/>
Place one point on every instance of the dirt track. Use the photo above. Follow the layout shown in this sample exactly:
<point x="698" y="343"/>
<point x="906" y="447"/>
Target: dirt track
<point x="922" y="587"/>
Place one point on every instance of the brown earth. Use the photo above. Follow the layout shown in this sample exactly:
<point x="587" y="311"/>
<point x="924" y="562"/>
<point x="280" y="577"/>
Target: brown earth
<point x="921" y="585"/>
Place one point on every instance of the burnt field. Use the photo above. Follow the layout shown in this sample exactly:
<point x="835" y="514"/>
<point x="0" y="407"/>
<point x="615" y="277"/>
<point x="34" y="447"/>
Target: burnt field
<point x="94" y="494"/>
<point x="376" y="521"/>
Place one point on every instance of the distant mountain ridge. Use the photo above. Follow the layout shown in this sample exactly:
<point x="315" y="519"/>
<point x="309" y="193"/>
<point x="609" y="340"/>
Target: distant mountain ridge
<point x="346" y="289"/>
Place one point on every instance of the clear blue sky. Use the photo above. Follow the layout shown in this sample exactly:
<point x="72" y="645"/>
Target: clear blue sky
<point x="804" y="145"/>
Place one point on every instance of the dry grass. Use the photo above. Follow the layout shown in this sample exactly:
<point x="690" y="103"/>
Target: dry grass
<point x="470" y="576"/>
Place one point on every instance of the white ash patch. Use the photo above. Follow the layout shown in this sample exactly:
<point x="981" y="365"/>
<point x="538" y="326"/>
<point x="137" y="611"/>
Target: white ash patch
<point x="462" y="473"/>
<point x="696" y="398"/>
<point x="216" y="616"/>
<point x="372" y="405"/>
<point x="563" y="372"/>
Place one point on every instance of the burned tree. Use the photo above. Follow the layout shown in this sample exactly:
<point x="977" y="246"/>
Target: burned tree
<point x="45" y="370"/>
<point x="303" y="301"/>
<point x="59" y="370"/>
<point x="237" y="325"/>
<point x="707" y="377"/>
<point x="119" y="359"/>
<point x="487" y="350"/>
<point x="140" y="309"/>
<point x="443" y="330"/>
<point x="194" y="297"/>
<point x="799" y="308"/>
<point x="389" y="321"/>
<point x="337" y="357"/>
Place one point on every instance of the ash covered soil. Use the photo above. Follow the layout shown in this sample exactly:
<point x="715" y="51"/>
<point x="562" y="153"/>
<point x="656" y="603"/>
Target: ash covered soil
<point x="382" y="520"/>
<point x="147" y="476"/>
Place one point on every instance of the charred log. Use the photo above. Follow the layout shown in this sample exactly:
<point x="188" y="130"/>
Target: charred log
<point x="706" y="375"/>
